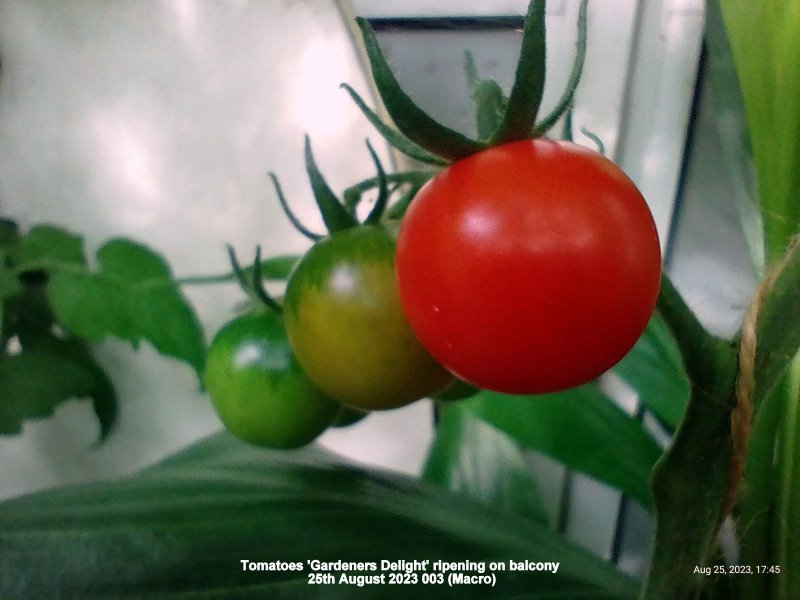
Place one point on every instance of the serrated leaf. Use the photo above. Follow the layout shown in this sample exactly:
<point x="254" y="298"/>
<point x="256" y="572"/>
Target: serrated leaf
<point x="655" y="370"/>
<point x="29" y="319"/>
<point x="180" y="530"/>
<point x="45" y="243"/>
<point x="33" y="383"/>
<point x="132" y="297"/>
<point x="475" y="459"/>
<point x="581" y="428"/>
<point x="9" y="234"/>
<point x="9" y="286"/>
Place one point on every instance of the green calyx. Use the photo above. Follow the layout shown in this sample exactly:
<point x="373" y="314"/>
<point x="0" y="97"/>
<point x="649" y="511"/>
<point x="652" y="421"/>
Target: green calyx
<point x="500" y="119"/>
<point x="341" y="214"/>
<point x="254" y="285"/>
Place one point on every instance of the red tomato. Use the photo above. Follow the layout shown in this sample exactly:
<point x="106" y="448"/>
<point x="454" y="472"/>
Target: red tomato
<point x="530" y="267"/>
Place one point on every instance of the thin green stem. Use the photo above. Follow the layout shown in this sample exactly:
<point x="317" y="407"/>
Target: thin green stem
<point x="698" y="347"/>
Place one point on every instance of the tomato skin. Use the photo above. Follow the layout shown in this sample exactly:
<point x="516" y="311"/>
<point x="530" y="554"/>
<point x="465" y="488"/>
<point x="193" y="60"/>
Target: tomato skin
<point x="259" y="390"/>
<point x="346" y="325"/>
<point x="531" y="267"/>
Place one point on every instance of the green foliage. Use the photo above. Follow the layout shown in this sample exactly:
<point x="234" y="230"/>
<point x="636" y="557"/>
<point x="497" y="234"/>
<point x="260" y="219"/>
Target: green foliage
<point x="131" y="296"/>
<point x="770" y="86"/>
<point x="41" y="364"/>
<point x="53" y="305"/>
<point x="581" y="428"/>
<point x="654" y="369"/>
<point x="179" y="530"/>
<point x="472" y="457"/>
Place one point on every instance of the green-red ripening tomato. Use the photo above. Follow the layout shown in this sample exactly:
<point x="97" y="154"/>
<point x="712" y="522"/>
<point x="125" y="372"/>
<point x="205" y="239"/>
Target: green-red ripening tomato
<point x="346" y="326"/>
<point x="259" y="390"/>
<point x="530" y="267"/>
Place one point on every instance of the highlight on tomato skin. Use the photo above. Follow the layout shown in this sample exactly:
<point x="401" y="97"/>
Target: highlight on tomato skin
<point x="530" y="267"/>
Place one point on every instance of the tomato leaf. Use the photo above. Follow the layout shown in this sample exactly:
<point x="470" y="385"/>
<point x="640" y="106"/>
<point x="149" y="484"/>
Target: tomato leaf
<point x="655" y="370"/>
<point x="181" y="530"/>
<point x="39" y="342"/>
<point x="133" y="297"/>
<point x="412" y="121"/>
<point x="44" y="244"/>
<point x="32" y="384"/>
<point x="526" y="92"/>
<point x="473" y="458"/>
<point x="581" y="428"/>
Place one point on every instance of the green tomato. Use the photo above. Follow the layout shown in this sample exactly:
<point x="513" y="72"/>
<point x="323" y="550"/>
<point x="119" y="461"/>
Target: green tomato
<point x="347" y="328"/>
<point x="259" y="390"/>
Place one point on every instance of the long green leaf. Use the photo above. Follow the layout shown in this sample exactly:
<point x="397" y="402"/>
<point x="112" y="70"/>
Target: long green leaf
<point x="730" y="121"/>
<point x="655" y="370"/>
<point x="471" y="457"/>
<point x="778" y="331"/>
<point x="765" y="40"/>
<point x="581" y="428"/>
<point x="181" y="530"/>
<point x="412" y="121"/>
<point x="777" y="366"/>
